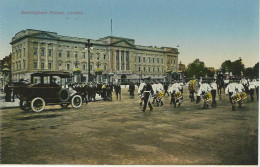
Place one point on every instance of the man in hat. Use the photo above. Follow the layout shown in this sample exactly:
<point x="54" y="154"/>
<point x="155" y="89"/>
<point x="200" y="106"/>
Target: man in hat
<point x="147" y="91"/>
<point x="204" y="88"/>
<point x="131" y="89"/>
<point x="213" y="86"/>
<point x="165" y="86"/>
<point x="191" y="88"/>
<point x="231" y="90"/>
<point x="245" y="83"/>
<point x="117" y="88"/>
<point x="175" y="88"/>
<point x="140" y="94"/>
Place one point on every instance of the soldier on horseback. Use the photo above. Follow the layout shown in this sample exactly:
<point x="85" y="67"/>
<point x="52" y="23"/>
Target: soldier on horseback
<point x="220" y="83"/>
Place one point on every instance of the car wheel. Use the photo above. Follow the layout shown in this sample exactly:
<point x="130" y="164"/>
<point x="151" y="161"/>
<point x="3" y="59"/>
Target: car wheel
<point x="37" y="104"/>
<point x="25" y="105"/>
<point x="76" y="101"/>
<point x="64" y="95"/>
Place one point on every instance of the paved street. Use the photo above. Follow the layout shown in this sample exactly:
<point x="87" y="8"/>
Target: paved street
<point x="117" y="132"/>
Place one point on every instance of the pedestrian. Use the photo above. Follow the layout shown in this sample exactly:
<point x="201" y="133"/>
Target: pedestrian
<point x="174" y="89"/>
<point x="131" y="89"/>
<point x="165" y="86"/>
<point x="148" y="92"/>
<point x="203" y="91"/>
<point x="117" y="88"/>
<point x="104" y="91"/>
<point x="191" y="85"/>
<point x="230" y="90"/>
<point x="251" y="89"/>
<point x="245" y="83"/>
<point x="140" y="94"/>
<point x="213" y="86"/>
<point x="8" y="92"/>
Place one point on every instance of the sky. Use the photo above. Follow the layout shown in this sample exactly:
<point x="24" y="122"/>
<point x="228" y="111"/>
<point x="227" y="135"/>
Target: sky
<point x="210" y="30"/>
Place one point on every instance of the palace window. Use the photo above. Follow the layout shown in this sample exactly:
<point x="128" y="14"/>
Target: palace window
<point x="76" y="55"/>
<point x="144" y="69"/>
<point x="60" y="54"/>
<point x="68" y="54"/>
<point x="49" y="66"/>
<point x="139" y="59"/>
<point x="144" y="59"/>
<point x="91" y="67"/>
<point x="68" y="66"/>
<point x="158" y="60"/>
<point x="105" y="67"/>
<point x="35" y="51"/>
<point x="139" y="69"/>
<point x="104" y="57"/>
<point x="84" y="55"/>
<point x="149" y="60"/>
<point x="42" y="52"/>
<point x="42" y="65"/>
<point x="153" y="60"/>
<point x="23" y="52"/>
<point x="84" y="67"/>
<point x="50" y="52"/>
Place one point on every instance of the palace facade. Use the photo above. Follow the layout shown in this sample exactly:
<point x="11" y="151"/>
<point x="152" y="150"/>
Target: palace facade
<point x="35" y="50"/>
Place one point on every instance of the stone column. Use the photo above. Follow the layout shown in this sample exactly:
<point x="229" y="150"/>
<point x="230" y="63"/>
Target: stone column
<point x="22" y="58"/>
<point x="39" y="57"/>
<point x="119" y="52"/>
<point x="125" y="60"/>
<point x="46" y="56"/>
<point x="54" y="58"/>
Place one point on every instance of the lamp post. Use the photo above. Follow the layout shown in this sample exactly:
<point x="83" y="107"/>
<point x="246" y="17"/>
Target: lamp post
<point x="5" y="72"/>
<point x="88" y="45"/>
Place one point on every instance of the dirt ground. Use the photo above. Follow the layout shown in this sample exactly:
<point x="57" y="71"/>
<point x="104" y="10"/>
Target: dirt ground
<point x="117" y="132"/>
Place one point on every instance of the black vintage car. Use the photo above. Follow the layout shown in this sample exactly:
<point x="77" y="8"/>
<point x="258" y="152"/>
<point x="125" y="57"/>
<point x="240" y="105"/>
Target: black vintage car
<point x="46" y="88"/>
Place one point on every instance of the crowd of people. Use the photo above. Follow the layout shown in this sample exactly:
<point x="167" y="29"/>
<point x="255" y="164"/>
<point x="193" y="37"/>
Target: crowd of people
<point x="154" y="91"/>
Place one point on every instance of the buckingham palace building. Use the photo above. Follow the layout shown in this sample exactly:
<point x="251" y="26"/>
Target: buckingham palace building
<point x="36" y="51"/>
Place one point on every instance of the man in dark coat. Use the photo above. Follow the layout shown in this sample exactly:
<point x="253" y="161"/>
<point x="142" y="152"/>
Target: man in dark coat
<point x="148" y="92"/>
<point x="8" y="92"/>
<point x="165" y="86"/>
<point x="117" y="88"/>
<point x="131" y="89"/>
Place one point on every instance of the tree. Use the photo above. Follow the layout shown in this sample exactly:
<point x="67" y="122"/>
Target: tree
<point x="226" y="65"/>
<point x="249" y="72"/>
<point x="196" y="68"/>
<point x="236" y="67"/>
<point x="256" y="70"/>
